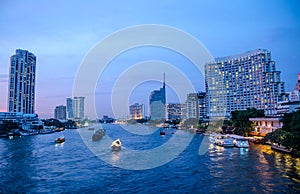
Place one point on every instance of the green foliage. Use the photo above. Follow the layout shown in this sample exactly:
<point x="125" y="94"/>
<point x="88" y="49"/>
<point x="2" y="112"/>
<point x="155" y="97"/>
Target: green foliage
<point x="289" y="135"/>
<point x="240" y="120"/>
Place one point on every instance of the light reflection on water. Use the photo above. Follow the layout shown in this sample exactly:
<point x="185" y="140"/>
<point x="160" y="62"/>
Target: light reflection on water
<point x="37" y="164"/>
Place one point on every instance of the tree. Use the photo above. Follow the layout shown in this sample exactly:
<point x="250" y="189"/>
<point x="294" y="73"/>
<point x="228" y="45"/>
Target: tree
<point x="289" y="134"/>
<point x="240" y="120"/>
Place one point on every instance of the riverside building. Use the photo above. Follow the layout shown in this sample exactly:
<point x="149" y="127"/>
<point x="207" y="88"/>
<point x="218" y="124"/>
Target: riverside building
<point x="60" y="112"/>
<point x="247" y="80"/>
<point x="137" y="111"/>
<point x="75" y="108"/>
<point x="21" y="90"/>
<point x="157" y="101"/>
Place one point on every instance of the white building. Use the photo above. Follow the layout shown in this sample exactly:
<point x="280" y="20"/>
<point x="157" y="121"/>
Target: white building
<point x="78" y="107"/>
<point x="238" y="82"/>
<point x="265" y="125"/>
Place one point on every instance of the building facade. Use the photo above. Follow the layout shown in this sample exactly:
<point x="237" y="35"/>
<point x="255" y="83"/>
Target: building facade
<point x="248" y="80"/>
<point x="192" y="106"/>
<point x="21" y="90"/>
<point x="157" y="101"/>
<point x="60" y="112"/>
<point x="174" y="111"/>
<point x="75" y="108"/>
<point x="265" y="125"/>
<point x="78" y="107"/>
<point x="137" y="111"/>
<point x="69" y="108"/>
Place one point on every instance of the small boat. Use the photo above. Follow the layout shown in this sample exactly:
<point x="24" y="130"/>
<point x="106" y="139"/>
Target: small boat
<point x="240" y="141"/>
<point x="281" y="148"/>
<point x="98" y="135"/>
<point x="116" y="145"/>
<point x="162" y="133"/>
<point x="60" y="140"/>
<point x="224" y="141"/>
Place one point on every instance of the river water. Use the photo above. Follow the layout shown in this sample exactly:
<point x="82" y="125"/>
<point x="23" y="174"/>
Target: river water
<point x="35" y="164"/>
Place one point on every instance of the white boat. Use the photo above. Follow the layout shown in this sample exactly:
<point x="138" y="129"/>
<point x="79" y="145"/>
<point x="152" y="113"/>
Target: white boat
<point x="224" y="140"/>
<point x="29" y="132"/>
<point x="116" y="145"/>
<point x="240" y="141"/>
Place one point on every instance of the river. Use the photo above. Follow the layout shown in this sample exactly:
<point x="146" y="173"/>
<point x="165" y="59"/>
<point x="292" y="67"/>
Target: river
<point x="35" y="164"/>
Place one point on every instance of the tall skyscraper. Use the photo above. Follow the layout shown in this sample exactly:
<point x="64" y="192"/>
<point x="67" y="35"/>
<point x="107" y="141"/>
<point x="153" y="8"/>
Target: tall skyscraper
<point x="21" y="90"/>
<point x="157" y="101"/>
<point x="78" y="107"/>
<point x="70" y="112"/>
<point x="60" y="112"/>
<point x="137" y="111"/>
<point x="247" y="80"/>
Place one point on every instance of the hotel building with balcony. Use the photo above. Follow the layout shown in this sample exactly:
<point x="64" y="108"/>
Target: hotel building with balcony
<point x="238" y="82"/>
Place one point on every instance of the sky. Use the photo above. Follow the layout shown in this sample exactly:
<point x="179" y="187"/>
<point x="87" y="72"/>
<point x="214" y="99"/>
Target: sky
<point x="61" y="34"/>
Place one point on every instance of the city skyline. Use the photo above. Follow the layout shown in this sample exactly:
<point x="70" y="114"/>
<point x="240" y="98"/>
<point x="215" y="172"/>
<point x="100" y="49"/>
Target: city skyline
<point x="60" y="38"/>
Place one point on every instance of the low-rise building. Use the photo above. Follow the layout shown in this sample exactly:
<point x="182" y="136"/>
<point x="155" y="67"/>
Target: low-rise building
<point x="265" y="125"/>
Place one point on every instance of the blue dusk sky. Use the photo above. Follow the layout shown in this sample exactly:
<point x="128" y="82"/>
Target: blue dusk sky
<point x="61" y="33"/>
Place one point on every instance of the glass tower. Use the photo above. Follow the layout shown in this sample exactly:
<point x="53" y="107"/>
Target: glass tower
<point x="21" y="91"/>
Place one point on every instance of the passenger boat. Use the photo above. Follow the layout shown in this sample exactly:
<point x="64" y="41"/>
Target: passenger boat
<point x="98" y="135"/>
<point x="116" y="145"/>
<point x="280" y="148"/>
<point x="225" y="141"/>
<point x="29" y="132"/>
<point x="60" y="140"/>
<point x="240" y="141"/>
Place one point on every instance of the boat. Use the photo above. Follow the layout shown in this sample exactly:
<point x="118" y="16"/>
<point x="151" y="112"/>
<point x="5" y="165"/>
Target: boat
<point x="47" y="130"/>
<point x="224" y="141"/>
<point x="29" y="132"/>
<point x="162" y="133"/>
<point x="240" y="141"/>
<point x="116" y="145"/>
<point x="60" y="140"/>
<point x="98" y="135"/>
<point x="281" y="148"/>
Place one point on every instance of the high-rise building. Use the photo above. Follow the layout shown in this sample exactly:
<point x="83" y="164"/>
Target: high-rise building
<point x="157" y="101"/>
<point x="75" y="108"/>
<point x="70" y="112"/>
<point x="60" y="112"/>
<point x="202" y="102"/>
<point x="137" y="111"/>
<point x="192" y="106"/>
<point x="78" y="107"/>
<point x="174" y="111"/>
<point x="248" y="80"/>
<point x="21" y="90"/>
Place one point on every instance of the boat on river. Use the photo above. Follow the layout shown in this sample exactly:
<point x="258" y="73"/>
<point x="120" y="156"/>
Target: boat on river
<point x="116" y="145"/>
<point x="224" y="141"/>
<point x="60" y="140"/>
<point x="29" y="132"/>
<point x="162" y="133"/>
<point x="98" y="135"/>
<point x="280" y="148"/>
<point x="240" y="141"/>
